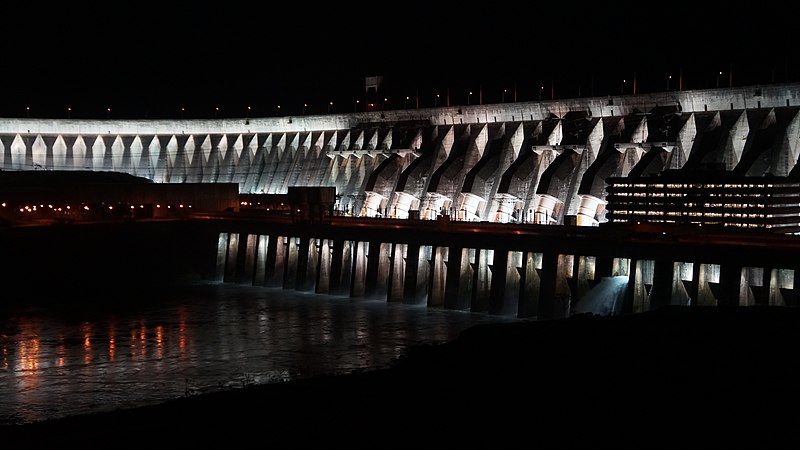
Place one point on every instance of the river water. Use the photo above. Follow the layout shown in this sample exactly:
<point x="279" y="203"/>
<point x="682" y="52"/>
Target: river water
<point x="125" y="350"/>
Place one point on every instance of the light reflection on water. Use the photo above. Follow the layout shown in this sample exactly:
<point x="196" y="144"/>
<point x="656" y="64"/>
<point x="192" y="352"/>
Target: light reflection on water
<point x="59" y="361"/>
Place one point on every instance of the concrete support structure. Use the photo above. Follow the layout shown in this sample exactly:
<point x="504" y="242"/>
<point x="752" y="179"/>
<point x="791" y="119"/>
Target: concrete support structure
<point x="530" y="161"/>
<point x="501" y="281"/>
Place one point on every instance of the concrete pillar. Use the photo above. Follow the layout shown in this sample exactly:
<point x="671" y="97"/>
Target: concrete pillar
<point x="753" y="286"/>
<point x="585" y="277"/>
<point x="275" y="267"/>
<point x="348" y="264"/>
<point x="375" y="284"/>
<point x="412" y="263"/>
<point x="762" y="299"/>
<point x="547" y="286"/>
<point x="513" y="285"/>
<point x="453" y="279"/>
<point x="482" y="281"/>
<point x="325" y="254"/>
<point x="222" y="256"/>
<point x="397" y="272"/>
<point x="418" y="274"/>
<point x="498" y="268"/>
<point x="643" y="284"/>
<point x="565" y="275"/>
<point x="231" y="259"/>
<point x="682" y="273"/>
<point x="292" y="258"/>
<point x="466" y="275"/>
<point x="438" y="277"/>
<point x="782" y="287"/>
<point x="312" y="264"/>
<point x="531" y="285"/>
<point x="359" y="274"/>
<point x="247" y="259"/>
<point x="630" y="295"/>
<point x="259" y="278"/>
<point x="708" y="285"/>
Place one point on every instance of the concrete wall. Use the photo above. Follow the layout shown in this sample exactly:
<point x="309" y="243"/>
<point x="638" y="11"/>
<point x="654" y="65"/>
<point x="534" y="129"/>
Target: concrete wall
<point x="564" y="150"/>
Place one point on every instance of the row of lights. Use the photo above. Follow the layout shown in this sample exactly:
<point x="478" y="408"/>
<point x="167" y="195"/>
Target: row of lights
<point x="68" y="208"/>
<point x="407" y="98"/>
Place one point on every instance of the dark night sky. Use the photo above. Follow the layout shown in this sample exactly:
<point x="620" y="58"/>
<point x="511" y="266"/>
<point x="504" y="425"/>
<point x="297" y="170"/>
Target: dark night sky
<point x="149" y="59"/>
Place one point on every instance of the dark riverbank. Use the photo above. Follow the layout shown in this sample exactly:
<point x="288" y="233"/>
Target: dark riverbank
<point x="672" y="378"/>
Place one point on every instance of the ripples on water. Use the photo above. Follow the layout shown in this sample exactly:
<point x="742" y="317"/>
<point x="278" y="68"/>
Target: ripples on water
<point x="119" y="352"/>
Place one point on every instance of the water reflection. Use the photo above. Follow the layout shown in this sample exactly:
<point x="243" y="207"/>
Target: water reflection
<point x="63" y="361"/>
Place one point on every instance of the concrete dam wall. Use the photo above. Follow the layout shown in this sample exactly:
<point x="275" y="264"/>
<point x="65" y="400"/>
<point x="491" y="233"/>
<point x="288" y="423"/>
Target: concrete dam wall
<point x="531" y="162"/>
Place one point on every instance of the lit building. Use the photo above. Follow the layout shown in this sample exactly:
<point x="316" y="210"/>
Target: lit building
<point x="706" y="198"/>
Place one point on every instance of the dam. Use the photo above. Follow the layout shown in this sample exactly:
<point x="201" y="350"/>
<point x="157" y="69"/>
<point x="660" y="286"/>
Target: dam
<point x="529" y="162"/>
<point x="514" y="193"/>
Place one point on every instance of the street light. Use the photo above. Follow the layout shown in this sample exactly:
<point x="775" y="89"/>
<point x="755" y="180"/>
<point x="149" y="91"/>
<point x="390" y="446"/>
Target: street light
<point x="355" y="106"/>
<point x="503" y="96"/>
<point x="669" y="78"/>
<point x="108" y="113"/>
<point x="718" y="75"/>
<point x="541" y="91"/>
<point x="469" y="97"/>
<point x="279" y="110"/>
<point x="216" y="111"/>
<point x="69" y="112"/>
<point x="436" y="101"/>
<point x="405" y="102"/>
<point x="182" y="110"/>
<point x="304" y="108"/>
<point x="622" y="88"/>
<point x="330" y="104"/>
<point x="28" y="111"/>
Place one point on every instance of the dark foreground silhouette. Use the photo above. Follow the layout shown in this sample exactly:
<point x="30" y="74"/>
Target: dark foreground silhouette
<point x="677" y="377"/>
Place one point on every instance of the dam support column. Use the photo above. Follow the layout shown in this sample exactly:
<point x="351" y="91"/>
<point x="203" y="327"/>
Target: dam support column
<point x="232" y="258"/>
<point x="397" y="272"/>
<point x="276" y="261"/>
<point x="436" y="298"/>
<point x="341" y="267"/>
<point x="643" y="285"/>
<point x="360" y="263"/>
<point x="336" y="267"/>
<point x="246" y="259"/>
<point x="309" y="267"/>
<point x="782" y="287"/>
<point x="482" y="281"/>
<point x="499" y="267"/>
<point x="531" y="285"/>
<point x="418" y="274"/>
<point x="323" y="271"/>
<point x="259" y="277"/>
<point x="222" y="257"/>
<point x="708" y="284"/>
<point x="292" y="257"/>
<point x="375" y="285"/>
<point x="682" y="284"/>
<point x="458" y="291"/>
<point x="585" y="277"/>
<point x="547" y="286"/>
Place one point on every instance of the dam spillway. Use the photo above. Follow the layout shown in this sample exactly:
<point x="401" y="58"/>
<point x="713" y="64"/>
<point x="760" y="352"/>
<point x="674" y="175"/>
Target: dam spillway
<point x="528" y="162"/>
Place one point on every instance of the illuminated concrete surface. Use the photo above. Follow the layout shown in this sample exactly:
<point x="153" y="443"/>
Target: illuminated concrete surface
<point x="511" y="162"/>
